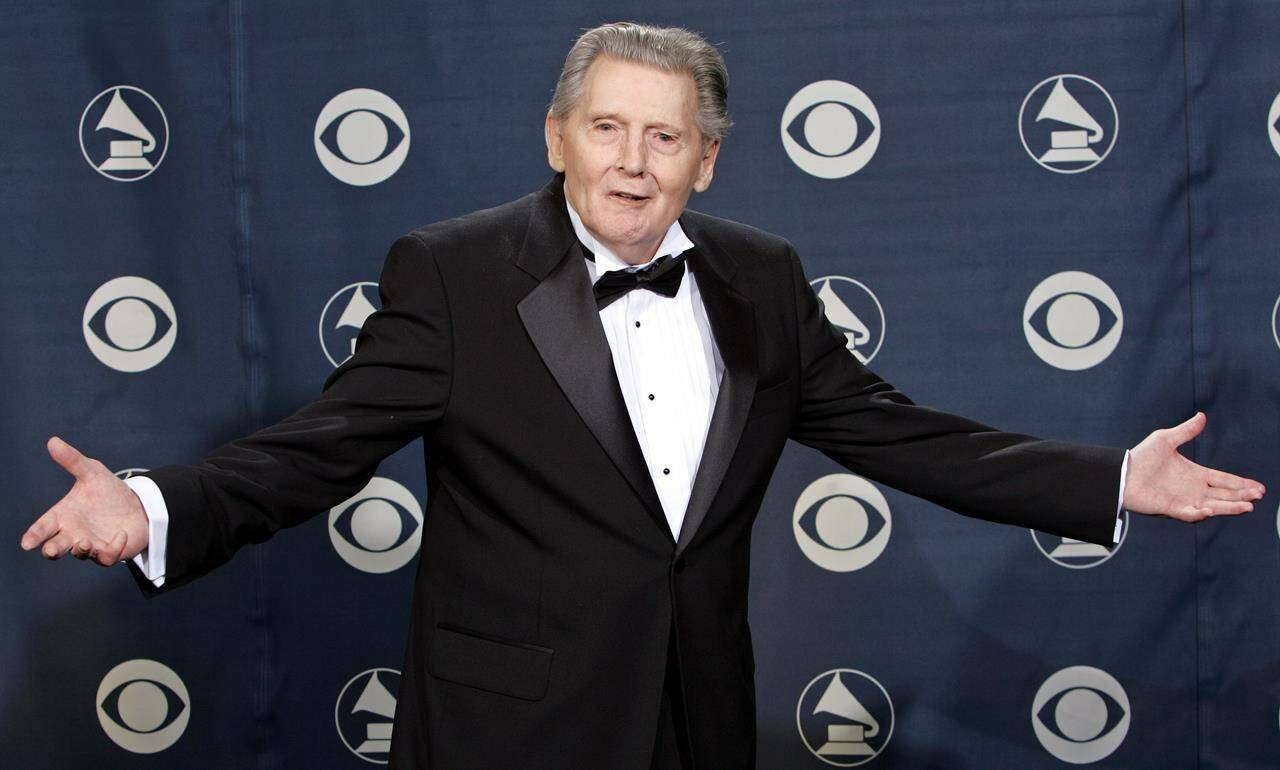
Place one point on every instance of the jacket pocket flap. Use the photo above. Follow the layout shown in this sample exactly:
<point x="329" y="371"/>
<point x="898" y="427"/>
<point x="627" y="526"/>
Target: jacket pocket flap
<point x="506" y="667"/>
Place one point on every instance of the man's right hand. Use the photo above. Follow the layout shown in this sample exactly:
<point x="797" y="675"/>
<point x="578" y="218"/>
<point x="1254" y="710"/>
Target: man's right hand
<point x="99" y="519"/>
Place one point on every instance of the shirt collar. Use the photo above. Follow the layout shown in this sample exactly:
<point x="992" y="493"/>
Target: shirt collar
<point x="673" y="243"/>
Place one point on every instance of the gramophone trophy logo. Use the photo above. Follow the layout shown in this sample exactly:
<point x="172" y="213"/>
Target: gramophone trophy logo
<point x="124" y="134"/>
<point x="365" y="714"/>
<point x="342" y="318"/>
<point x="1077" y="554"/>
<point x="845" y="717"/>
<point x="1068" y="123"/>
<point x="855" y="311"/>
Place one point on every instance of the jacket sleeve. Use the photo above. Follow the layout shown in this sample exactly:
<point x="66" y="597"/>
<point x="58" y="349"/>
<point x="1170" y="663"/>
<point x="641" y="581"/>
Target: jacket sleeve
<point x="863" y="423"/>
<point x="394" y="389"/>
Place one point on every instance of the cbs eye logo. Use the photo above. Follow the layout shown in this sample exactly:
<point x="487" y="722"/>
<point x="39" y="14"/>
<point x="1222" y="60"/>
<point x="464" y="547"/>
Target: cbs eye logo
<point x="1080" y="714"/>
<point x="1072" y="320"/>
<point x="1273" y="124"/>
<point x="362" y="136"/>
<point x="830" y="129"/>
<point x="841" y="522"/>
<point x="379" y="530"/>
<point x="143" y="706"/>
<point x="130" y="324"/>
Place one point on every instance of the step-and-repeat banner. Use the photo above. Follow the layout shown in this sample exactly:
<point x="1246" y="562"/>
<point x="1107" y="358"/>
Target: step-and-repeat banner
<point x="1058" y="218"/>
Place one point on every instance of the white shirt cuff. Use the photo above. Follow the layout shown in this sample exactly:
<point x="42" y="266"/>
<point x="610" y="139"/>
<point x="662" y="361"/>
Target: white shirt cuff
<point x="151" y="559"/>
<point x="1124" y="471"/>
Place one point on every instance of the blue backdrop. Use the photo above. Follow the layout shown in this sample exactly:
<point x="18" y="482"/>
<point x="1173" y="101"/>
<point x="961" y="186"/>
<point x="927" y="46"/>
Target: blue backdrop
<point x="1058" y="218"/>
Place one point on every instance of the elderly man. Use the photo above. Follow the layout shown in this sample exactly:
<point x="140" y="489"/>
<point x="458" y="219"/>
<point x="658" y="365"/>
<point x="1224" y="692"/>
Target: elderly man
<point x="604" y="381"/>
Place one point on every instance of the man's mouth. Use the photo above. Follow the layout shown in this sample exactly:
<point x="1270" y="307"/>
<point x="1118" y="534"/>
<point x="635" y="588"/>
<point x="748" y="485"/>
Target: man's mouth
<point x="629" y="197"/>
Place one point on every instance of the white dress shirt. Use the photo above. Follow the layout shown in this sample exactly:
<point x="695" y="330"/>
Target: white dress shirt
<point x="669" y="369"/>
<point x="667" y="364"/>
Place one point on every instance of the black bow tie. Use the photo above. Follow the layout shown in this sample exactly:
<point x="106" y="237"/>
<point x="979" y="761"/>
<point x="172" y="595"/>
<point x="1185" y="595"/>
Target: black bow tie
<point x="662" y="276"/>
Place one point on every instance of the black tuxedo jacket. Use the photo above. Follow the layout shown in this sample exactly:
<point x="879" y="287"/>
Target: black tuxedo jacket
<point x="549" y="580"/>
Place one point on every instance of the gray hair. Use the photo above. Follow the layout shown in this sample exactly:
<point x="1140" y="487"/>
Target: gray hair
<point x="672" y="49"/>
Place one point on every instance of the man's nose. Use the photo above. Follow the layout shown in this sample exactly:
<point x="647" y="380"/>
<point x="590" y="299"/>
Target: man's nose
<point x="632" y="156"/>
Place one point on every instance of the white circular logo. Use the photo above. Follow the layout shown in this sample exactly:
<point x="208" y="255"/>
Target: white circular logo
<point x="365" y="713"/>
<point x="855" y="311"/>
<point x="841" y="522"/>
<point x="1275" y="321"/>
<point x="362" y="136"/>
<point x="342" y="318"/>
<point x="130" y="324"/>
<point x="845" y="717"/>
<point x="1077" y="554"/>
<point x="830" y="129"/>
<point x="124" y="134"/>
<point x="1273" y="124"/>
<point x="1072" y="320"/>
<point x="1068" y="123"/>
<point x="143" y="706"/>
<point x="1080" y="714"/>
<point x="379" y="530"/>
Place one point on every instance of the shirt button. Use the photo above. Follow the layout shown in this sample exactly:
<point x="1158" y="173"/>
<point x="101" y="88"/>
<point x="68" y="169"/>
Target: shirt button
<point x="650" y="396"/>
<point x="637" y="324"/>
<point x="666" y="471"/>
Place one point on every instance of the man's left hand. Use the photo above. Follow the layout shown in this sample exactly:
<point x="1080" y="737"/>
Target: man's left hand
<point x="1162" y="482"/>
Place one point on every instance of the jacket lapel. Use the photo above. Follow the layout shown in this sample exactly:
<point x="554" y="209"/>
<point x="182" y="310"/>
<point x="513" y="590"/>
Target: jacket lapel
<point x="732" y="322"/>
<point x="563" y="322"/>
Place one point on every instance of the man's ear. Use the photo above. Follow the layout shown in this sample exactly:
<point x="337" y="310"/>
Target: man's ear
<point x="706" y="171"/>
<point x="555" y="143"/>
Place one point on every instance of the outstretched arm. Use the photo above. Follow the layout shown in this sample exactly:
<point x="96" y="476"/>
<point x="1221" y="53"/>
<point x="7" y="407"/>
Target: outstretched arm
<point x="393" y="389"/>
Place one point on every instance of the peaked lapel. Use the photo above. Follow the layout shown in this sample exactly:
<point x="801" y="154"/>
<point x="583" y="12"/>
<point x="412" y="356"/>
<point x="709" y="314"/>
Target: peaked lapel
<point x="562" y="320"/>
<point x="732" y="320"/>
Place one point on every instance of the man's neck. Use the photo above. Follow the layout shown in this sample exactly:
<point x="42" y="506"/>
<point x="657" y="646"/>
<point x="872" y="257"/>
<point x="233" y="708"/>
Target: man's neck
<point x="674" y="241"/>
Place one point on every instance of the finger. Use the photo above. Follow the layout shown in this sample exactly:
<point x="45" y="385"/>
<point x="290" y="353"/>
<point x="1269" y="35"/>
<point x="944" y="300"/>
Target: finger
<point x="113" y="550"/>
<point x="1222" y="480"/>
<point x="82" y="549"/>
<point x="57" y="546"/>
<point x="1226" y="507"/>
<point x="1181" y="434"/>
<point x="67" y="456"/>
<point x="40" y="530"/>
<point x="1225" y="493"/>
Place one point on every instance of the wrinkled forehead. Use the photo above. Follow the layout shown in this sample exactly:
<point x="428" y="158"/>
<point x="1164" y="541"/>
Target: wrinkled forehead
<point x="634" y="92"/>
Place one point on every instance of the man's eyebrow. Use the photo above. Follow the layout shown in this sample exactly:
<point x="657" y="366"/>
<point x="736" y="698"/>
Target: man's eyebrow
<point x="666" y="127"/>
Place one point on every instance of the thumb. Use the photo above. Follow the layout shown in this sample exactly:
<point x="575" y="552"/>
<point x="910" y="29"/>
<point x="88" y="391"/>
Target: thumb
<point x="67" y="456"/>
<point x="1188" y="430"/>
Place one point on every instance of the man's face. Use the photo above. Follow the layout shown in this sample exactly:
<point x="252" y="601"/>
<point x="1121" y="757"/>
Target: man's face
<point x="631" y="154"/>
